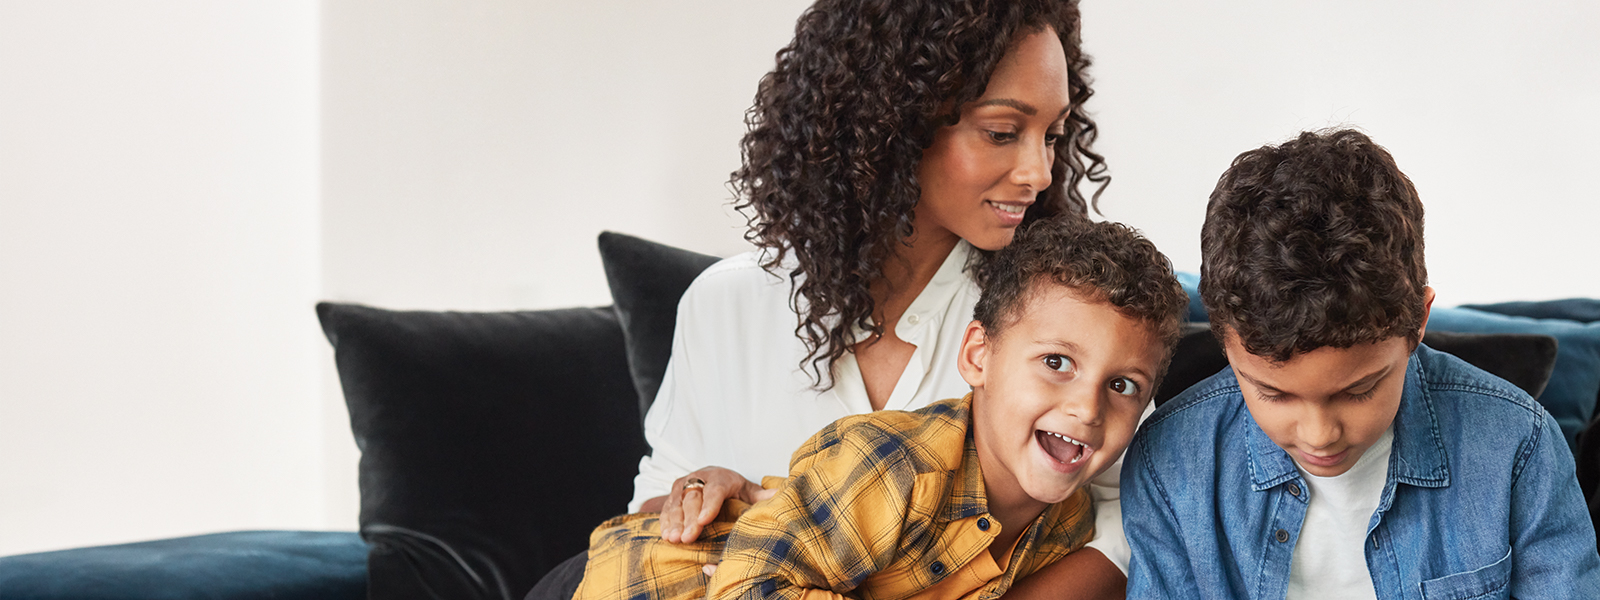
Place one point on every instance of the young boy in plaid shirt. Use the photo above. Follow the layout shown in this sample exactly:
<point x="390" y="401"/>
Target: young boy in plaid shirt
<point x="962" y="498"/>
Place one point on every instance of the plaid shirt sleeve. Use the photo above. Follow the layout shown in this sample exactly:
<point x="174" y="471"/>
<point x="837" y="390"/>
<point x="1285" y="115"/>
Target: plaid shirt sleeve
<point x="850" y="499"/>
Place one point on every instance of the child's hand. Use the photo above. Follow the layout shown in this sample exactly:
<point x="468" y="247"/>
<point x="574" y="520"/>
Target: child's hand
<point x="696" y="499"/>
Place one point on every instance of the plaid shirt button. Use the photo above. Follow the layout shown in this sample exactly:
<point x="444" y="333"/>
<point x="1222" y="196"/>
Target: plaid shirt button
<point x="937" y="568"/>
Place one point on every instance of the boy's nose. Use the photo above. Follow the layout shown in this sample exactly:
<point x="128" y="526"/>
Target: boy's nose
<point x="1319" y="430"/>
<point x="1083" y="402"/>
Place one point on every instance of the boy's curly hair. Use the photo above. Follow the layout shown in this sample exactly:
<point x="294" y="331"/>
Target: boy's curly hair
<point x="838" y="128"/>
<point x="1106" y="261"/>
<point x="1311" y="243"/>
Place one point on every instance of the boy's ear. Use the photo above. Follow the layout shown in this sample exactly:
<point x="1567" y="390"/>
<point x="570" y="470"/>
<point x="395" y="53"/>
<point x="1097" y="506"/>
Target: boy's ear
<point x="974" y="351"/>
<point x="1427" y="309"/>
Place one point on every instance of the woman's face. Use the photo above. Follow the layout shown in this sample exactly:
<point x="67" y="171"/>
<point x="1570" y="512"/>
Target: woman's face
<point x="982" y="173"/>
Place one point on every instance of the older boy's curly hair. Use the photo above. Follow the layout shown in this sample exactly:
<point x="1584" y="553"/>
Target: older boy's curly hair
<point x="839" y="126"/>
<point x="1311" y="243"/>
<point x="1106" y="261"/>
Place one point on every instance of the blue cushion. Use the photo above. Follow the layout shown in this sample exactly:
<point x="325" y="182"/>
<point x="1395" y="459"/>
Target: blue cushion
<point x="242" y="565"/>
<point x="1575" y="383"/>
<point x="1191" y="286"/>
<point x="1582" y="310"/>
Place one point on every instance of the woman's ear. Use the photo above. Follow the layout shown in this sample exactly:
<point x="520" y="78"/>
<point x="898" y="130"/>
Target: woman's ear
<point x="974" y="350"/>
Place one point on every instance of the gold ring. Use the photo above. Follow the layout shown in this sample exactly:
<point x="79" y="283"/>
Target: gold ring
<point x="694" y="483"/>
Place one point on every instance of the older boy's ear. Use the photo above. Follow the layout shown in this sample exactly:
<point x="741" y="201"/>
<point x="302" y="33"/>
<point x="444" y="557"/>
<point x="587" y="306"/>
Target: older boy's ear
<point x="974" y="350"/>
<point x="1427" y="309"/>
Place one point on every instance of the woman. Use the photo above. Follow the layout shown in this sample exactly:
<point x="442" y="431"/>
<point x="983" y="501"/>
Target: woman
<point x="895" y="143"/>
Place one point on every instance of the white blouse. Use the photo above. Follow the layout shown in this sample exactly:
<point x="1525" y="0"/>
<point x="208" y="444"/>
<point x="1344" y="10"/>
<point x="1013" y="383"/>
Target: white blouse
<point x="734" y="394"/>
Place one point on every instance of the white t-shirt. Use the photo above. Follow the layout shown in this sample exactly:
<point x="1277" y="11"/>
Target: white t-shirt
<point x="1330" y="558"/>
<point x="734" y="395"/>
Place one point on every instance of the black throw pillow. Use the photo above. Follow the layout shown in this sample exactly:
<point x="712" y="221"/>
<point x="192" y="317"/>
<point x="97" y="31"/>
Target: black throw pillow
<point x="1525" y="360"/>
<point x="1196" y="357"/>
<point x="491" y="443"/>
<point x="646" y="280"/>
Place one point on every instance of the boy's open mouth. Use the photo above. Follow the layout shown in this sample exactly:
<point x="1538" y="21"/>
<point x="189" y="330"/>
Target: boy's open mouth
<point x="1063" y="449"/>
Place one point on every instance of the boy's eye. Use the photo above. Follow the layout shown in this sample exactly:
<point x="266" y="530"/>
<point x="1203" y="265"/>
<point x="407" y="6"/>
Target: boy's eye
<point x="1361" y="396"/>
<point x="1124" y="386"/>
<point x="1057" y="362"/>
<point x="1265" y="397"/>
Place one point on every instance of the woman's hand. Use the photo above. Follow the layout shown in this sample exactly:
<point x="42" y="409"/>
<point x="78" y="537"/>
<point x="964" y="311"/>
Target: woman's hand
<point x="689" y="508"/>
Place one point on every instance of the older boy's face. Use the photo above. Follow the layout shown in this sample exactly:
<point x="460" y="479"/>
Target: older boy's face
<point x="1325" y="407"/>
<point x="1058" y="393"/>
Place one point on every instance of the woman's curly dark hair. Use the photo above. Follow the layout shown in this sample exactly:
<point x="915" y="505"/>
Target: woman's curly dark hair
<point x="1316" y="242"/>
<point x="838" y="129"/>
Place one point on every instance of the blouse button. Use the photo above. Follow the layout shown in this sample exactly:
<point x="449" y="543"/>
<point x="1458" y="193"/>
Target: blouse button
<point x="913" y="319"/>
<point x="1294" y="490"/>
<point x="983" y="524"/>
<point x="937" y="568"/>
<point x="1282" y="536"/>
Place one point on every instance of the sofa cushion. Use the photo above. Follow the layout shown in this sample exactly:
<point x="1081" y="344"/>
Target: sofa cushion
<point x="491" y="443"/>
<point x="1582" y="310"/>
<point x="1191" y="287"/>
<point x="646" y="280"/>
<point x="240" y="565"/>
<point x="1524" y="360"/>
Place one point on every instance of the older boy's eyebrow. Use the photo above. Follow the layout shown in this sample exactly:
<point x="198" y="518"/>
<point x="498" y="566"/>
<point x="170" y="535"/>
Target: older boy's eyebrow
<point x="1253" y="381"/>
<point x="1371" y="377"/>
<point x="1368" y="378"/>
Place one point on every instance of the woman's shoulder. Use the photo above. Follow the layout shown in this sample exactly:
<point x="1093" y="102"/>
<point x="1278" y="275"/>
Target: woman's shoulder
<point x="740" y="278"/>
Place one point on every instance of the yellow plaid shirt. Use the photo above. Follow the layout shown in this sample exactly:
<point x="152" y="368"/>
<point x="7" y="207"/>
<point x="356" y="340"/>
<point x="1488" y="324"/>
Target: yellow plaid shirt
<point x="879" y="506"/>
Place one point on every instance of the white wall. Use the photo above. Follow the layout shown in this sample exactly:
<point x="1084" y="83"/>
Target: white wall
<point x="166" y="219"/>
<point x="1489" y="107"/>
<point x="473" y="151"/>
<point x="159" y="362"/>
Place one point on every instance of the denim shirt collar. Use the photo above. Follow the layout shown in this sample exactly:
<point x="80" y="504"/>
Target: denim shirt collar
<point x="1418" y="457"/>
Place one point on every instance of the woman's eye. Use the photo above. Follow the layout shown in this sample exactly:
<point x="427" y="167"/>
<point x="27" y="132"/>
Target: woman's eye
<point x="1057" y="362"/>
<point x="1051" y="139"/>
<point x="1125" y="386"/>
<point x="1001" y="137"/>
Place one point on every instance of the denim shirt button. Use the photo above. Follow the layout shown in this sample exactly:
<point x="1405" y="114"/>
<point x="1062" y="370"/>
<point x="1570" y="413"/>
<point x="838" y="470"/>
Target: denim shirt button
<point x="1282" y="536"/>
<point x="1294" y="490"/>
<point x="937" y="568"/>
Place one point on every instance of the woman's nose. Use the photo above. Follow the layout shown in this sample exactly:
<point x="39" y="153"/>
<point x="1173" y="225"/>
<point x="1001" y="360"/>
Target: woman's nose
<point x="1033" y="166"/>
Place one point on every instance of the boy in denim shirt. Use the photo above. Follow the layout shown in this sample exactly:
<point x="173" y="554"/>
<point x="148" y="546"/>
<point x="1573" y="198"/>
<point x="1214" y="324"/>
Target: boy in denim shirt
<point x="1337" y="457"/>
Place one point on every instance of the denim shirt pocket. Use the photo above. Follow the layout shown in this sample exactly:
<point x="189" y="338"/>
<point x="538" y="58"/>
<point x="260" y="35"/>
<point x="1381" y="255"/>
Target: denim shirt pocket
<point x="1493" y="581"/>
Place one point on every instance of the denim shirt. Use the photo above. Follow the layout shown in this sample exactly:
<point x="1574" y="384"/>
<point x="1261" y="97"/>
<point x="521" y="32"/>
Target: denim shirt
<point x="1481" y="498"/>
